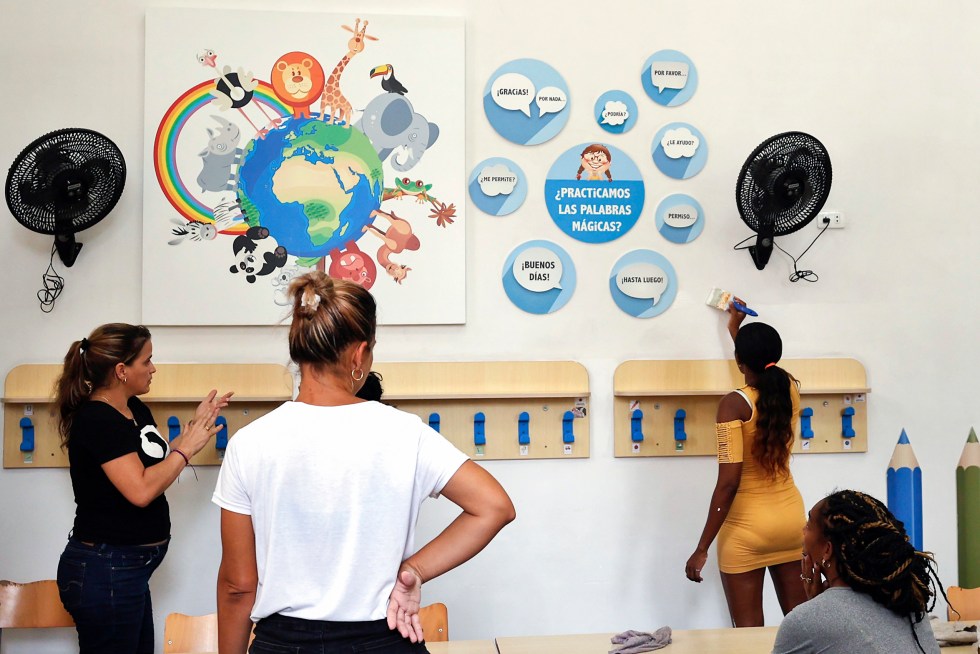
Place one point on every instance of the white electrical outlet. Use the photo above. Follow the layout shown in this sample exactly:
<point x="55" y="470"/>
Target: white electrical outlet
<point x="830" y="219"/>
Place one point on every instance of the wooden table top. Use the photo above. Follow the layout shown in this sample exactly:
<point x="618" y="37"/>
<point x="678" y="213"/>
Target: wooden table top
<point x="752" y="640"/>
<point x="462" y="647"/>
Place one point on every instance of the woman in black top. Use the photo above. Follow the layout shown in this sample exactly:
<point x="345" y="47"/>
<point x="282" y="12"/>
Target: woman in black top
<point x="120" y="466"/>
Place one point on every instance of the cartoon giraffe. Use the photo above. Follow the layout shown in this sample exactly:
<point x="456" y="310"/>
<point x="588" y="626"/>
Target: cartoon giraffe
<point x="340" y="109"/>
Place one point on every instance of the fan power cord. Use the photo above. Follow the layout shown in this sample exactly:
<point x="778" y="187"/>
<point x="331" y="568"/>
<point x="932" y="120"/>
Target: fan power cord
<point x="797" y="275"/>
<point x="53" y="285"/>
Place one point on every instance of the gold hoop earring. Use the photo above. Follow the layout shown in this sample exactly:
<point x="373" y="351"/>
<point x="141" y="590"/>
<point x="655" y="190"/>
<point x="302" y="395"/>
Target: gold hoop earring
<point x="356" y="377"/>
<point x="825" y="563"/>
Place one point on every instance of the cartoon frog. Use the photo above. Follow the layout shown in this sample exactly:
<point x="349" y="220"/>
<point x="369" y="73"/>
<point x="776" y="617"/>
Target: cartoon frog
<point x="405" y="186"/>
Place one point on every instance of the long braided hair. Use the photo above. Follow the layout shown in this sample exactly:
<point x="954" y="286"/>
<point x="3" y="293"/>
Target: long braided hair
<point x="758" y="347"/>
<point x="875" y="557"/>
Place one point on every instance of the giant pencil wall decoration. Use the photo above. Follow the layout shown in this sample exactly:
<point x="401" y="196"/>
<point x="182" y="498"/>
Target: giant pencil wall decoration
<point x="968" y="513"/>
<point x="905" y="489"/>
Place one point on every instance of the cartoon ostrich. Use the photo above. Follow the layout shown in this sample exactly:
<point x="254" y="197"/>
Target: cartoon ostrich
<point x="234" y="90"/>
<point x="340" y="108"/>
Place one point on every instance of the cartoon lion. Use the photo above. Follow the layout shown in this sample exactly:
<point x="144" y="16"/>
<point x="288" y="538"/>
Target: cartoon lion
<point x="297" y="79"/>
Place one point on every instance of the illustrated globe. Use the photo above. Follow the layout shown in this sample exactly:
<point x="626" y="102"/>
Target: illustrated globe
<point x="313" y="185"/>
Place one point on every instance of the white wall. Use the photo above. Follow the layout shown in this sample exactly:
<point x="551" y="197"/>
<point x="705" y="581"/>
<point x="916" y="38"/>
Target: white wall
<point x="599" y="544"/>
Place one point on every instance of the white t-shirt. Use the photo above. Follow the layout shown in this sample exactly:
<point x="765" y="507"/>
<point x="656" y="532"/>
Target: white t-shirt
<point x="334" y="495"/>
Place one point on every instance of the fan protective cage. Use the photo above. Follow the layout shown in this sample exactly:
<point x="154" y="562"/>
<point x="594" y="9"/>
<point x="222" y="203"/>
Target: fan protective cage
<point x="65" y="181"/>
<point x="784" y="183"/>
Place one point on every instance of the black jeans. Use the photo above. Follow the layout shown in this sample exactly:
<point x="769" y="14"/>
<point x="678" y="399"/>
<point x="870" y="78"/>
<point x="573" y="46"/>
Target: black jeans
<point x="106" y="590"/>
<point x="280" y="634"/>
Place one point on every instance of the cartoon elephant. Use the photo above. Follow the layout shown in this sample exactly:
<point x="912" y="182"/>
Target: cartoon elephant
<point x="391" y="124"/>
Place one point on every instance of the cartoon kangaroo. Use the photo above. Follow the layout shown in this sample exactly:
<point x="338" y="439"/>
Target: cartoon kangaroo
<point x="397" y="238"/>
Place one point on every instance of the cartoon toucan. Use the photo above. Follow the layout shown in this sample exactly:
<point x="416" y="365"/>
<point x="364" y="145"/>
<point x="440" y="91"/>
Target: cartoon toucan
<point x="388" y="82"/>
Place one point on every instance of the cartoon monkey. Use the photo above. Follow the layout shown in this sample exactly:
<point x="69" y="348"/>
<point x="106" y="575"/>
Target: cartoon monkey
<point x="297" y="79"/>
<point x="397" y="238"/>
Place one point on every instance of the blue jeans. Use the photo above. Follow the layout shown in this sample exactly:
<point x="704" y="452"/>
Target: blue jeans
<point x="280" y="634"/>
<point x="106" y="590"/>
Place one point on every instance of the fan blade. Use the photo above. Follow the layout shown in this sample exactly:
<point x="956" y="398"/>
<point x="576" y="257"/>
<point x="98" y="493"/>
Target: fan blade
<point x="36" y="195"/>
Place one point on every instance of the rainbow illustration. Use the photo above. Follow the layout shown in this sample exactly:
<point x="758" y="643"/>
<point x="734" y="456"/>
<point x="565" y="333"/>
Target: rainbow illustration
<point x="165" y="148"/>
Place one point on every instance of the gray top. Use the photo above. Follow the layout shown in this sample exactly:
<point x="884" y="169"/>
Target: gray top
<point x="843" y="621"/>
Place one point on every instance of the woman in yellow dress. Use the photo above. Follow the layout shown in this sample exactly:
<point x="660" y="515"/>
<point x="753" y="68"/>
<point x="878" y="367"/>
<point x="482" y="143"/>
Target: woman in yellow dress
<point x="756" y="511"/>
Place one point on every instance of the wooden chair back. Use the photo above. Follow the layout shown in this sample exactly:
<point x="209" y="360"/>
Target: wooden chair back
<point x="199" y="633"/>
<point x="190" y="633"/>
<point x="965" y="601"/>
<point x="32" y="605"/>
<point x="435" y="622"/>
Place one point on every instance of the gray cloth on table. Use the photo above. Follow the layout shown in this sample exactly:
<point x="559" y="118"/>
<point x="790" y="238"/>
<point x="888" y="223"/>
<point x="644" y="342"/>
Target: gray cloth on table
<point x="634" y="642"/>
<point x="953" y="633"/>
<point x="843" y="621"/>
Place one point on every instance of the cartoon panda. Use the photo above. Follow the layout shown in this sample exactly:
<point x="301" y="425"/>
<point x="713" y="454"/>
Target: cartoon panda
<point x="257" y="254"/>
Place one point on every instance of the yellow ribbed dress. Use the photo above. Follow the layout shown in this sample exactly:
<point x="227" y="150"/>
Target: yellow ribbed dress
<point x="764" y="526"/>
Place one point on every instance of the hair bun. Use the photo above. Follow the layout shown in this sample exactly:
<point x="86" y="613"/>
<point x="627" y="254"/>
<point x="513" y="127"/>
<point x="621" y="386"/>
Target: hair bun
<point x="308" y="291"/>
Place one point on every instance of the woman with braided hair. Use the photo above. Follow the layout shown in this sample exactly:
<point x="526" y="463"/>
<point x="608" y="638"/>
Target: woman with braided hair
<point x="756" y="511"/>
<point x="869" y="590"/>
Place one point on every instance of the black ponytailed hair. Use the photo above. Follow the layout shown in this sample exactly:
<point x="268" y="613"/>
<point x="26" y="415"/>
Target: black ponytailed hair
<point x="758" y="347"/>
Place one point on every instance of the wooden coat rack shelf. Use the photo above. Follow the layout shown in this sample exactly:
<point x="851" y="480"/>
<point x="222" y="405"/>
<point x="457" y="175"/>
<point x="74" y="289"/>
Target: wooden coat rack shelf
<point x="680" y="398"/>
<point x="497" y="409"/>
<point x="176" y="391"/>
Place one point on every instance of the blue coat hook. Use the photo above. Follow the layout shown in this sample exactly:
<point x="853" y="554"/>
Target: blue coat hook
<point x="221" y="438"/>
<point x="679" y="433"/>
<point x="567" y="433"/>
<point x="523" y="437"/>
<point x="846" y="426"/>
<point x="173" y="428"/>
<point x="806" y="429"/>
<point x="479" y="429"/>
<point x="434" y="421"/>
<point x="636" y="426"/>
<point x="26" y="435"/>
<point x="680" y="436"/>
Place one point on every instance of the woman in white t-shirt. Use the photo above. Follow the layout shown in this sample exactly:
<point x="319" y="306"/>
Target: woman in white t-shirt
<point x="320" y="497"/>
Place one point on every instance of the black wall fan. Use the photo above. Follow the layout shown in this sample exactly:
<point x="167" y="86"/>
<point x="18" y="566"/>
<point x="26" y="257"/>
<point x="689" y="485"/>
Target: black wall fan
<point x="64" y="182"/>
<point x="782" y="186"/>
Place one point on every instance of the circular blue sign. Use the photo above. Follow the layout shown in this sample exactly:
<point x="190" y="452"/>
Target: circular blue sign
<point x="615" y="112"/>
<point x="594" y="193"/>
<point x="669" y="78"/>
<point x="497" y="186"/>
<point x="526" y="101"/>
<point x="679" y="150"/>
<point x="680" y="218"/>
<point x="539" y="277"/>
<point x="643" y="283"/>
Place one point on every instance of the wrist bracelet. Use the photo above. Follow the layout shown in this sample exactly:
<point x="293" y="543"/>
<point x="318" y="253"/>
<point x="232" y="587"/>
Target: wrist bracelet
<point x="187" y="461"/>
